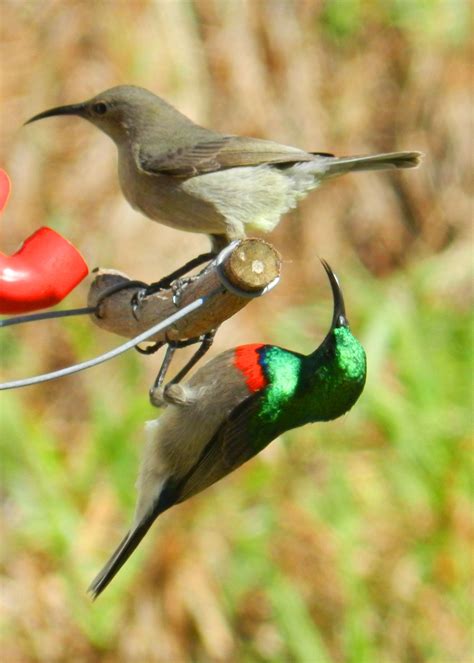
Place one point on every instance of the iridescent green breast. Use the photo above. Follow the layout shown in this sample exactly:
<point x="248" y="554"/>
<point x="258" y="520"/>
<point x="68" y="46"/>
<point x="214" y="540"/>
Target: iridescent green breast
<point x="282" y="370"/>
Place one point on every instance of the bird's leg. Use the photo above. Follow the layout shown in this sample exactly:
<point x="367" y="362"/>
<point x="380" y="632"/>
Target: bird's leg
<point x="156" y="391"/>
<point x="206" y="341"/>
<point x="176" y="393"/>
<point x="173" y="392"/>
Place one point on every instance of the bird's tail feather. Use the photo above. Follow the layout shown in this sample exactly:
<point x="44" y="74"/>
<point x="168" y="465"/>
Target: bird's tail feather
<point x="340" y="165"/>
<point x="166" y="498"/>
<point x="115" y="563"/>
<point x="120" y="556"/>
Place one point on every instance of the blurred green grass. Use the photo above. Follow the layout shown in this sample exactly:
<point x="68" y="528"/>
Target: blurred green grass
<point x="329" y="544"/>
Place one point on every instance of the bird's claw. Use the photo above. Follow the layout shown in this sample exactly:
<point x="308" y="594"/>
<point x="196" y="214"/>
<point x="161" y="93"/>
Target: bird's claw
<point x="178" y="288"/>
<point x="137" y="301"/>
<point x="150" y="349"/>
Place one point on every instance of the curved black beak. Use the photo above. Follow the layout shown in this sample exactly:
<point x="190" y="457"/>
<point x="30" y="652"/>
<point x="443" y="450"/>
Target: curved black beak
<point x="71" y="109"/>
<point x="339" y="315"/>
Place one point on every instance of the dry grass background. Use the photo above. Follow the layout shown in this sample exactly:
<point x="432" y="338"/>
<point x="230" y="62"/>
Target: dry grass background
<point x="287" y="560"/>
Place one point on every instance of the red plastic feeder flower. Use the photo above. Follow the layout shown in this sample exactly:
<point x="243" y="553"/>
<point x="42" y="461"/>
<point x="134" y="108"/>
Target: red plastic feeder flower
<point x="42" y="272"/>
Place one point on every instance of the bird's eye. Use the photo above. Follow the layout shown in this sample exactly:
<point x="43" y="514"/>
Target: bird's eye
<point x="99" y="108"/>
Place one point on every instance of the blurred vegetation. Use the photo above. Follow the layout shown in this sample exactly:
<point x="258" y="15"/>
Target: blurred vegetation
<point x="346" y="542"/>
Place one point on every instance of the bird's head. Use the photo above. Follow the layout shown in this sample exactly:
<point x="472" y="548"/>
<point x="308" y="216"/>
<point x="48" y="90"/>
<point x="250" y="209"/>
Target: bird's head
<point x="123" y="111"/>
<point x="340" y="357"/>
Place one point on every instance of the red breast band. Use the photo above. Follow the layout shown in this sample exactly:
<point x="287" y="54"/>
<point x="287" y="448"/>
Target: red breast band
<point x="246" y="359"/>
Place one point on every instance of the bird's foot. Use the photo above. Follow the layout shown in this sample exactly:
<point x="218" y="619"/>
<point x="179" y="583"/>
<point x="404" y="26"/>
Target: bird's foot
<point x="173" y="281"/>
<point x="178" y="287"/>
<point x="150" y="349"/>
<point x="172" y="394"/>
<point x="157" y="396"/>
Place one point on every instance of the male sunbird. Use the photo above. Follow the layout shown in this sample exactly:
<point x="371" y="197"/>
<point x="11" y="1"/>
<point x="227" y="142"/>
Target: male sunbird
<point x="231" y="409"/>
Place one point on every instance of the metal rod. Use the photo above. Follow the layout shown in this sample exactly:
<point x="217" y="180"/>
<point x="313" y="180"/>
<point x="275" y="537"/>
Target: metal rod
<point x="46" y="315"/>
<point x="69" y="370"/>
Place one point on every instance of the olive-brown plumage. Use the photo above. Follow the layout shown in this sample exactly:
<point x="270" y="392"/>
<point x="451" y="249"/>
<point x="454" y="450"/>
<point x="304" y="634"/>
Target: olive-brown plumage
<point x="191" y="178"/>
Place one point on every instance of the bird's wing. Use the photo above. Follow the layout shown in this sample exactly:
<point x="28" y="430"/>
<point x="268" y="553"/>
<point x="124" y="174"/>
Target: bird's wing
<point x="231" y="446"/>
<point x="182" y="161"/>
<point x="215" y="154"/>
